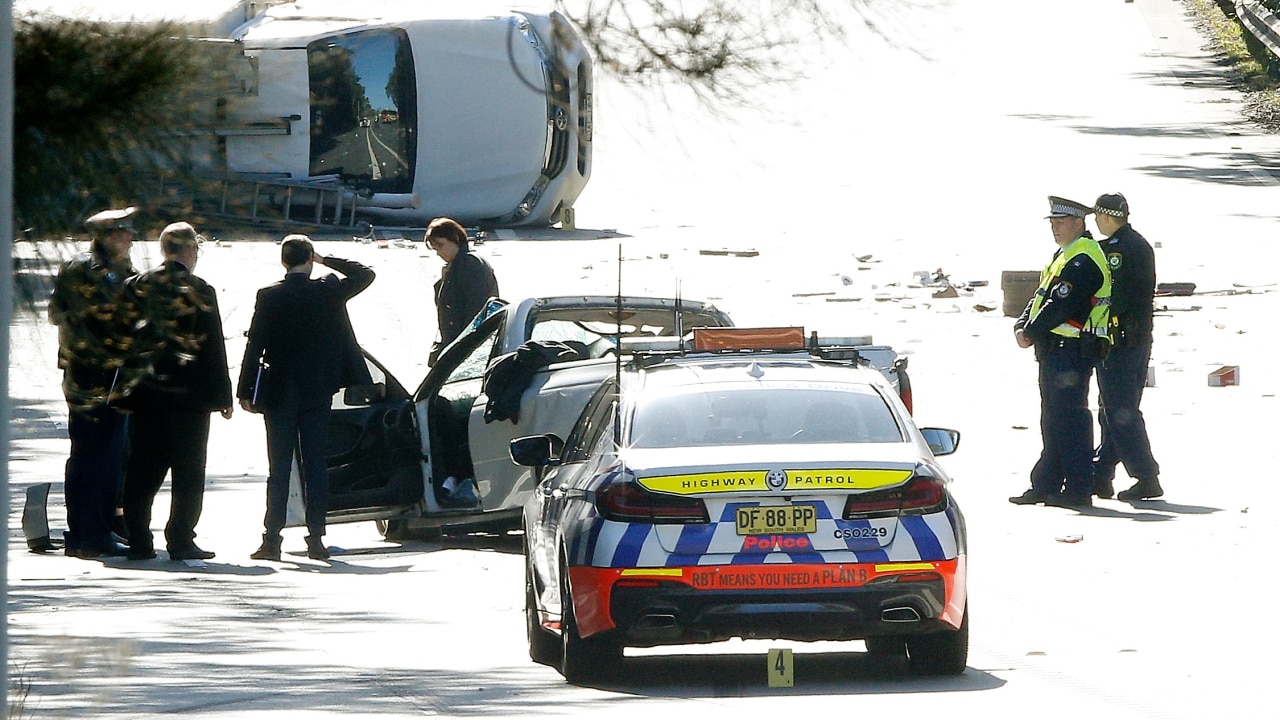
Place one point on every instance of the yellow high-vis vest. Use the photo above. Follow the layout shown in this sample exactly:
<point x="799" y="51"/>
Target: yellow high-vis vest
<point x="1100" y="316"/>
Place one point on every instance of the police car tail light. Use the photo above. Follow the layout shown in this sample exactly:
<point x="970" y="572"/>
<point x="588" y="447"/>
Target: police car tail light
<point x="628" y="502"/>
<point x="923" y="493"/>
<point x="907" y="578"/>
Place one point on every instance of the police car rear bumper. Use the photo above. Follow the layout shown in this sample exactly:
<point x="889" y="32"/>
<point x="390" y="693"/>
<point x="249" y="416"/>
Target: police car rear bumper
<point x="668" y="613"/>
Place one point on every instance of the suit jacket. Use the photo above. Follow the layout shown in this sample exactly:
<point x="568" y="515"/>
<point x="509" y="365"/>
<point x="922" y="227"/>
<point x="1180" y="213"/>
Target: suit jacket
<point x="300" y="328"/>
<point x="180" y="330"/>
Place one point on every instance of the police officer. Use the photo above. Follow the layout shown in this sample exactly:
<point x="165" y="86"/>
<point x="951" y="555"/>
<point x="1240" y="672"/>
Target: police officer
<point x="1066" y="322"/>
<point x="1122" y="375"/>
<point x="93" y="351"/>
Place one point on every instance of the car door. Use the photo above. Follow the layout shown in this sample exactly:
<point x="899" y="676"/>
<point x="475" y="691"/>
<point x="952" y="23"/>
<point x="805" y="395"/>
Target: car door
<point x="550" y="497"/>
<point x="444" y="404"/>
<point x="551" y="403"/>
<point x="372" y="448"/>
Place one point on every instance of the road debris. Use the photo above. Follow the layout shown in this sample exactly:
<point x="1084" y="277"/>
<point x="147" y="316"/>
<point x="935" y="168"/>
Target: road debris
<point x="1225" y="376"/>
<point x="1178" y="289"/>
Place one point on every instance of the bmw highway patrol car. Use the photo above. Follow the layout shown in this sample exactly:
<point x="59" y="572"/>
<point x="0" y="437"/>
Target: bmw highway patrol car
<point x="752" y="485"/>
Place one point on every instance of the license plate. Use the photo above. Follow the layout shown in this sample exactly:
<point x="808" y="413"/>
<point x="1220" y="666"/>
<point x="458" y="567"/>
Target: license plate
<point x="777" y="519"/>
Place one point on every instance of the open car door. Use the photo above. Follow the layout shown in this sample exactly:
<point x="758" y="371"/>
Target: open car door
<point x="373" y="456"/>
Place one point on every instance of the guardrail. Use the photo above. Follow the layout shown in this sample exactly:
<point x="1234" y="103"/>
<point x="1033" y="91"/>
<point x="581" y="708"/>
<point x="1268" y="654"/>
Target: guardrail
<point x="1261" y="23"/>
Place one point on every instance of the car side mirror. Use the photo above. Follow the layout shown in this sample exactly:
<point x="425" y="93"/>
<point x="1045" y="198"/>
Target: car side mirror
<point x="358" y="395"/>
<point x="536" y="450"/>
<point x="941" y="440"/>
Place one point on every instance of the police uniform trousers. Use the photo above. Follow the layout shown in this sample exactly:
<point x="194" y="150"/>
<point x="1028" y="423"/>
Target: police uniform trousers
<point x="1066" y="424"/>
<point x="94" y="471"/>
<point x="296" y="425"/>
<point x="1121" y="379"/>
<point x="172" y="442"/>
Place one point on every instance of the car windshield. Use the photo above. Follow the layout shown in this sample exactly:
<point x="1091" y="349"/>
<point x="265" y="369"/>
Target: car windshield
<point x="363" y="110"/>
<point x="764" y="414"/>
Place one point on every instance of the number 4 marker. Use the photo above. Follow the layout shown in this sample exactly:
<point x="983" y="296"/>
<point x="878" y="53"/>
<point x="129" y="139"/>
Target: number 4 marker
<point x="782" y="672"/>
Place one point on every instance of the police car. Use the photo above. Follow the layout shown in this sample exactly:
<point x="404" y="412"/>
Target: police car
<point x="748" y="484"/>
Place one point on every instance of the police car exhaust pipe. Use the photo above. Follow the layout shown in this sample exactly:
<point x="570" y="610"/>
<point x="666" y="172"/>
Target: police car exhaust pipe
<point x="904" y="614"/>
<point x="657" y="621"/>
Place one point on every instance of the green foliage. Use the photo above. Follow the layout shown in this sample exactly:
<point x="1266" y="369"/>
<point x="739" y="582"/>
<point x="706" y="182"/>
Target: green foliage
<point x="99" y="114"/>
<point x="1252" y="63"/>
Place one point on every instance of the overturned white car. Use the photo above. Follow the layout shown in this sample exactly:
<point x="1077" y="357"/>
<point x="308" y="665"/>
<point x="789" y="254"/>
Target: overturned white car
<point x="405" y="111"/>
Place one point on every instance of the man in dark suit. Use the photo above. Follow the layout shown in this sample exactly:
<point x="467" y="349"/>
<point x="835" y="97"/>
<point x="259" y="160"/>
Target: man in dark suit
<point x="180" y="331"/>
<point x="301" y="331"/>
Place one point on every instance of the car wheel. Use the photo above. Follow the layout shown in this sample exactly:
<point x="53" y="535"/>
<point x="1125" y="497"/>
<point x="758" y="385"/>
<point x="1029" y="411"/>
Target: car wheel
<point x="543" y="646"/>
<point x="887" y="646"/>
<point x="582" y="659"/>
<point x="944" y="653"/>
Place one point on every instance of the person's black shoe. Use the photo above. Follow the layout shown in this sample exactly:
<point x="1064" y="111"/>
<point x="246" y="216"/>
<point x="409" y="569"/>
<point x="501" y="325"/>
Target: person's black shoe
<point x="1104" y="488"/>
<point x="316" y="549"/>
<point x="141" y="553"/>
<point x="1030" y="497"/>
<point x="113" y="549"/>
<point x="1072" y="502"/>
<point x="269" y="550"/>
<point x="190" y="552"/>
<point x="1142" y="490"/>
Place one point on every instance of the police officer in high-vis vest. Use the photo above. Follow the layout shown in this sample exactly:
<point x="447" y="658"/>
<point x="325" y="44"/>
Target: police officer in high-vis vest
<point x="1066" y="322"/>
<point x="1123" y="375"/>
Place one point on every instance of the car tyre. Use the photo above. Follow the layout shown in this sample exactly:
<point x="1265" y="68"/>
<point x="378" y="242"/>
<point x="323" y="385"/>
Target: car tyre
<point x="582" y="660"/>
<point x="942" y="653"/>
<point x="544" y="647"/>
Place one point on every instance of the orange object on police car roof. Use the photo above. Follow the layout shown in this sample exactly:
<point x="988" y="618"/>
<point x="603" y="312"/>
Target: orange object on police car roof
<point x="767" y="338"/>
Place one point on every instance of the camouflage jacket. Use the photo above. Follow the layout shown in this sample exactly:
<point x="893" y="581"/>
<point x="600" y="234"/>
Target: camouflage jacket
<point x="95" y="330"/>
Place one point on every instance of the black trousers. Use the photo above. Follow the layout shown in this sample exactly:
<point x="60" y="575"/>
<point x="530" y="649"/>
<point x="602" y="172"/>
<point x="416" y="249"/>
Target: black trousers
<point x="297" y="425"/>
<point x="166" y="442"/>
<point x="1066" y="425"/>
<point x="1121" y="379"/>
<point x="94" y="472"/>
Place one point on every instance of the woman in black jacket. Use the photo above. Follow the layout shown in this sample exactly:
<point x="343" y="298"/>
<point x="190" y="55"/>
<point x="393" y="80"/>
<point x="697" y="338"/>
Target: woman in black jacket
<point x="465" y="285"/>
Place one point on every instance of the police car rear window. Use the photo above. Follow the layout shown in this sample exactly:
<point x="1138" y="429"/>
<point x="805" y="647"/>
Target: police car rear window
<point x="764" y="414"/>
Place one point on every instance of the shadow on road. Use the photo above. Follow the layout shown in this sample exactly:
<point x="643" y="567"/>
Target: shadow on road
<point x="746" y="675"/>
<point x="1149" y="511"/>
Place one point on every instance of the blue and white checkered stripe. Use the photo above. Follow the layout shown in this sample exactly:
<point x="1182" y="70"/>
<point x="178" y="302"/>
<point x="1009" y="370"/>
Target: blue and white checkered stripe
<point x="603" y="543"/>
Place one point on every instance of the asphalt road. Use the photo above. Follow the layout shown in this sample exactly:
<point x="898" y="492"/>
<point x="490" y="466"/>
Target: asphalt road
<point x="912" y="161"/>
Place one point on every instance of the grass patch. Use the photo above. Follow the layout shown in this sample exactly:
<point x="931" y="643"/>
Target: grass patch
<point x="1256" y="68"/>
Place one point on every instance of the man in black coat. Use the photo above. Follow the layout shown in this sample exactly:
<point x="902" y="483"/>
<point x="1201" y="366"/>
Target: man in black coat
<point x="1123" y="374"/>
<point x="180" y="330"/>
<point x="466" y="283"/>
<point x="301" y="331"/>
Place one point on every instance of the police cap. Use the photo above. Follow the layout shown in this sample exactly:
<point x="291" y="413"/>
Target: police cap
<point x="1113" y="204"/>
<point x="108" y="220"/>
<point x="1062" y="207"/>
